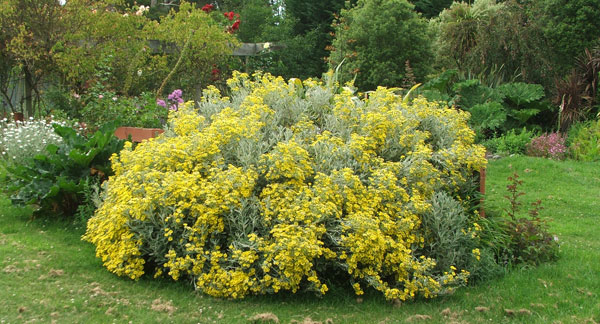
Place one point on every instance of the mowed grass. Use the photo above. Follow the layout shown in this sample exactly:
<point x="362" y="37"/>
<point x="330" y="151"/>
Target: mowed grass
<point x="47" y="274"/>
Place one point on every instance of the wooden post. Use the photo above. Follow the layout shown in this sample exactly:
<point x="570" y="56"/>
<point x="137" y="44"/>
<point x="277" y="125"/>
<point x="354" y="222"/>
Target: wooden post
<point x="482" y="191"/>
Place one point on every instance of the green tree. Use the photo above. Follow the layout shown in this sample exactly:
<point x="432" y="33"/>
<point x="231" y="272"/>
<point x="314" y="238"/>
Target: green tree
<point x="28" y="31"/>
<point x="571" y="26"/>
<point x="201" y="44"/>
<point x="376" y="39"/>
<point x="257" y="17"/>
<point x="100" y="45"/>
<point x="310" y="35"/>
<point x="431" y="8"/>
<point x="491" y="40"/>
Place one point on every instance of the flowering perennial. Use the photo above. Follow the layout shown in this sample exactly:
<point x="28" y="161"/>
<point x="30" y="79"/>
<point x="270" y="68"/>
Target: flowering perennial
<point x="287" y="186"/>
<point x="549" y="146"/>
<point x="173" y="100"/>
<point x="22" y="140"/>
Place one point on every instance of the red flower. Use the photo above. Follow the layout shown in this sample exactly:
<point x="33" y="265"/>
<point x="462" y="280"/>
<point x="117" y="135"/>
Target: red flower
<point x="229" y="15"/>
<point x="215" y="74"/>
<point x="207" y="8"/>
<point x="236" y="25"/>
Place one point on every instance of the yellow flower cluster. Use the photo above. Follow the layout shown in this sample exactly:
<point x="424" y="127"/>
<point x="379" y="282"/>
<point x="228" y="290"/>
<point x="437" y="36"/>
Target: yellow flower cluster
<point x="260" y="192"/>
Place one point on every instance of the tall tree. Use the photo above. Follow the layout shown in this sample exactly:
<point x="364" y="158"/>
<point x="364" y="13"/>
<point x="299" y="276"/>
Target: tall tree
<point x="571" y="26"/>
<point x="310" y="34"/>
<point x="376" y="39"/>
<point x="29" y="29"/>
<point x="431" y="8"/>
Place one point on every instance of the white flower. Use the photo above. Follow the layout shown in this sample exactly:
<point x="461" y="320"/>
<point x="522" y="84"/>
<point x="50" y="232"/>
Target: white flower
<point x="266" y="45"/>
<point x="139" y="72"/>
<point x="141" y="10"/>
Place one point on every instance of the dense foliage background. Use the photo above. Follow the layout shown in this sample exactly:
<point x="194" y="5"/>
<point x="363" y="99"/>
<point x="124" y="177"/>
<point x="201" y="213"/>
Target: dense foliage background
<point x="134" y="47"/>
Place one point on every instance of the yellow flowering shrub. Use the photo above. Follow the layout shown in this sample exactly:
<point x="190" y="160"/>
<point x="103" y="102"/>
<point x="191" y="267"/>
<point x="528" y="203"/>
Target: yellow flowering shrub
<point x="284" y="186"/>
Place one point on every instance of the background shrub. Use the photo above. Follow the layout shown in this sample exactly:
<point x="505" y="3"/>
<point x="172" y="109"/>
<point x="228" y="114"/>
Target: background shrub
<point x="376" y="39"/>
<point x="495" y="109"/>
<point x="513" y="142"/>
<point x="485" y="37"/>
<point x="584" y="141"/>
<point x="105" y="106"/>
<point x="53" y="183"/>
<point x="284" y="186"/>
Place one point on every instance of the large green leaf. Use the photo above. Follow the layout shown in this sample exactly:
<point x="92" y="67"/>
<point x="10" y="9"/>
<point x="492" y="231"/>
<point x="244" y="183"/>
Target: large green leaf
<point x="51" y="148"/>
<point x="487" y="116"/>
<point x="68" y="185"/>
<point x="519" y="93"/>
<point x="471" y="92"/>
<point x="67" y="133"/>
<point x="442" y="82"/>
<point x="523" y="115"/>
<point x="435" y="95"/>
<point x="82" y="159"/>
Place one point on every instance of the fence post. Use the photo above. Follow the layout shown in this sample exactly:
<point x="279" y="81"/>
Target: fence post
<point x="482" y="191"/>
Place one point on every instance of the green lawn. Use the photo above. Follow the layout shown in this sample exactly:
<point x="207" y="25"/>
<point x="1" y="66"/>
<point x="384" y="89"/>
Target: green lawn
<point x="48" y="275"/>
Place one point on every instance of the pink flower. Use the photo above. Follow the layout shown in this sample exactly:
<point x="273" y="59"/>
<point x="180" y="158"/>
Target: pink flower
<point x="548" y="145"/>
<point x="100" y="96"/>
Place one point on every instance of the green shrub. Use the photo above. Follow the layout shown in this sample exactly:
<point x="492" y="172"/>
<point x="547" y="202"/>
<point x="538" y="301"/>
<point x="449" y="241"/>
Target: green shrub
<point x="91" y="198"/>
<point x="105" y="106"/>
<point x="584" y="141"/>
<point x="195" y="42"/>
<point x="494" y="109"/>
<point x="60" y="103"/>
<point x="513" y="142"/>
<point x="285" y="186"/>
<point x="53" y="183"/>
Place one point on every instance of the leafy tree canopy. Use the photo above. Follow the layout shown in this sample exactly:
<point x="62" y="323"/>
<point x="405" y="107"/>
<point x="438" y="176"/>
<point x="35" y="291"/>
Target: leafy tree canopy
<point x="376" y="39"/>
